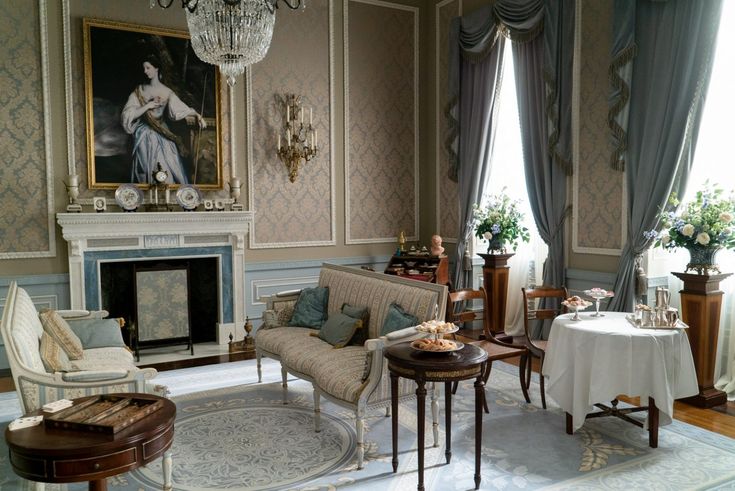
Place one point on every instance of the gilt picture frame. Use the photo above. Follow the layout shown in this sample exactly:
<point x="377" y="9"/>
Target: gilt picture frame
<point x="149" y="99"/>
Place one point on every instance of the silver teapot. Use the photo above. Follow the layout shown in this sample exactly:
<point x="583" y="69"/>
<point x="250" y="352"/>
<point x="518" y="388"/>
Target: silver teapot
<point x="663" y="296"/>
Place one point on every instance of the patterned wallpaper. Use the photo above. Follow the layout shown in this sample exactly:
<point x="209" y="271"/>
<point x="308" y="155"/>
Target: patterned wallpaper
<point x="381" y="128"/>
<point x="599" y="207"/>
<point x="448" y="189"/>
<point x="298" y="213"/>
<point x="25" y="194"/>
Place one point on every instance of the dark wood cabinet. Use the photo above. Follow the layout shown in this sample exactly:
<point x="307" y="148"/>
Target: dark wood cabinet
<point x="434" y="269"/>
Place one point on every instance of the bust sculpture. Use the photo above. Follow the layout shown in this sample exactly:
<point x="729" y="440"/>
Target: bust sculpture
<point x="436" y="246"/>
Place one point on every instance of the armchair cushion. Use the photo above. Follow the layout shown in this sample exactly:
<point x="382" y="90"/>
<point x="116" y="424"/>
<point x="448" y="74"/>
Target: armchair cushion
<point x="311" y="308"/>
<point x="54" y="358"/>
<point x="97" y="333"/>
<point x="94" y="376"/>
<point x="396" y="319"/>
<point x="57" y="328"/>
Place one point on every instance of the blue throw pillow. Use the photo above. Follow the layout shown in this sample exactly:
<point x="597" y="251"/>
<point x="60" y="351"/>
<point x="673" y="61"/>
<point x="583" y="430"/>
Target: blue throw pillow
<point x="97" y="333"/>
<point x="339" y="329"/>
<point x="311" y="308"/>
<point x="397" y="319"/>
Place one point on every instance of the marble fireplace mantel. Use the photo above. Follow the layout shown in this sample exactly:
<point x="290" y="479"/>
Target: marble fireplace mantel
<point x="94" y="238"/>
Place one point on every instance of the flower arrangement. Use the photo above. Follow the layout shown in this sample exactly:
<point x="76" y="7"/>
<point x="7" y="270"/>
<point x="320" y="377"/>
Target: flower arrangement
<point x="705" y="222"/>
<point x="500" y="223"/>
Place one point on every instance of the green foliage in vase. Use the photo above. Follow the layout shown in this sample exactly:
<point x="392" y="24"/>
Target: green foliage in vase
<point x="704" y="222"/>
<point x="500" y="222"/>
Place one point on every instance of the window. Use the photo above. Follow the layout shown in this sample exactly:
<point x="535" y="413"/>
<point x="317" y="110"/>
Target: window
<point x="507" y="172"/>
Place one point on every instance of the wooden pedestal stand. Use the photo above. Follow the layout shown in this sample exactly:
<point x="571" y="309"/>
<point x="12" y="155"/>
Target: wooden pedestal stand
<point x="701" y="300"/>
<point x="495" y="274"/>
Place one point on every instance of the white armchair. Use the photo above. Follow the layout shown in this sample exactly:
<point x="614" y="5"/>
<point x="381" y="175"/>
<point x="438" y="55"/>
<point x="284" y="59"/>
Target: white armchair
<point x="105" y="369"/>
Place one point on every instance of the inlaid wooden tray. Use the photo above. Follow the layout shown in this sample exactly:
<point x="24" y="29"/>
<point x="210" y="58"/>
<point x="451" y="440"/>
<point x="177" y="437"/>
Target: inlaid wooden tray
<point x="106" y="414"/>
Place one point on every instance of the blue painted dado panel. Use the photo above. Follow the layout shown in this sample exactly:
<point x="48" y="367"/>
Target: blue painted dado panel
<point x="92" y="260"/>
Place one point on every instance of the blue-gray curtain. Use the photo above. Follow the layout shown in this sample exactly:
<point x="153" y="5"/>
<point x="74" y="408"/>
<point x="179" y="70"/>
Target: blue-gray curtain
<point x="475" y="38"/>
<point x="543" y="74"/>
<point x="476" y="57"/>
<point x="672" y="50"/>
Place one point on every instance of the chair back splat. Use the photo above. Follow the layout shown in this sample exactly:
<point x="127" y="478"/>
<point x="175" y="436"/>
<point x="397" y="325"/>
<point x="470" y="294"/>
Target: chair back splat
<point x="495" y="348"/>
<point x="540" y="304"/>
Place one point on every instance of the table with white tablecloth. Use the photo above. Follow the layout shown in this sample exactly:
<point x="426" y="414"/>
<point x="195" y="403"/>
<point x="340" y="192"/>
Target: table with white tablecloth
<point x="595" y="359"/>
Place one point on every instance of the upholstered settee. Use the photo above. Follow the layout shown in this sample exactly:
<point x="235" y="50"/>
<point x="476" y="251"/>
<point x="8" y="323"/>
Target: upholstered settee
<point x="105" y="365"/>
<point x="355" y="377"/>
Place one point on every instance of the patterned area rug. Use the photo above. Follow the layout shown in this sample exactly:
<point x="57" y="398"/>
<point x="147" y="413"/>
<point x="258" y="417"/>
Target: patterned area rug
<point x="244" y="438"/>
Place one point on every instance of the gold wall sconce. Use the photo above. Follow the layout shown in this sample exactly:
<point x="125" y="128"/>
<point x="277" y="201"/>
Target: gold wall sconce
<point x="301" y="139"/>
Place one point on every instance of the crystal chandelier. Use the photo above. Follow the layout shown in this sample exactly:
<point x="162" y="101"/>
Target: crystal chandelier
<point x="231" y="34"/>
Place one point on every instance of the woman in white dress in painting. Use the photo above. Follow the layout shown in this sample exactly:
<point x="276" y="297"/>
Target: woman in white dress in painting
<point x="153" y="141"/>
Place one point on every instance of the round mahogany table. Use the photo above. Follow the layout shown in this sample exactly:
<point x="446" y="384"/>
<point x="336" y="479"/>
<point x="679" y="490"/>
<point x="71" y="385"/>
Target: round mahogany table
<point x="405" y="361"/>
<point x="56" y="455"/>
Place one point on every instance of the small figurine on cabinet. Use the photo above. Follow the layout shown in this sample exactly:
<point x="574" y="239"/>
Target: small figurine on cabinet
<point x="436" y="245"/>
<point x="401" y="242"/>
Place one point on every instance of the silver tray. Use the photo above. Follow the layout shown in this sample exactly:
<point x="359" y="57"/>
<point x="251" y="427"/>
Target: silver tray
<point x="679" y="324"/>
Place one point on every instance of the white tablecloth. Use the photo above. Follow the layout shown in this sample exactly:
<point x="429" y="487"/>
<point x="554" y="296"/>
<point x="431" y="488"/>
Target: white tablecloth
<point x="595" y="359"/>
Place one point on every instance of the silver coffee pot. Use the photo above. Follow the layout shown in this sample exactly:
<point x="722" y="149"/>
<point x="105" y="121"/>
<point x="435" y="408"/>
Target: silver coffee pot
<point x="663" y="296"/>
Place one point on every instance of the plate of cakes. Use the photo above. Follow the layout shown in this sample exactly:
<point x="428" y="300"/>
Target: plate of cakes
<point x="431" y="345"/>
<point x="437" y="327"/>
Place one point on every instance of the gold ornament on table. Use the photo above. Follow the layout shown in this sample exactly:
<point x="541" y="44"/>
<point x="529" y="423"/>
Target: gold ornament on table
<point x="247" y="343"/>
<point x="301" y="139"/>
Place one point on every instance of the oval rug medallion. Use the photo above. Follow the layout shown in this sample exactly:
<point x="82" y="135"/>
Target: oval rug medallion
<point x="251" y="447"/>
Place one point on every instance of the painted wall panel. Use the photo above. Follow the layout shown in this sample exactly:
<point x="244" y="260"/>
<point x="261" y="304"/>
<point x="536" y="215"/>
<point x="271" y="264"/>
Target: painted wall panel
<point x="26" y="176"/>
<point x="298" y="62"/>
<point x="381" y="126"/>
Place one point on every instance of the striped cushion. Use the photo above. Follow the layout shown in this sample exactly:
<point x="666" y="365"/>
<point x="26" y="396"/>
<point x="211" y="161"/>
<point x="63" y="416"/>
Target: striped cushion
<point x="57" y="328"/>
<point x="273" y="340"/>
<point x="54" y="358"/>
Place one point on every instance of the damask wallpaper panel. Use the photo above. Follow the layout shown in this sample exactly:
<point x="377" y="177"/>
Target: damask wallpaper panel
<point x="298" y="62"/>
<point x="599" y="189"/>
<point x="26" y="174"/>
<point x="381" y="121"/>
<point x="447" y="190"/>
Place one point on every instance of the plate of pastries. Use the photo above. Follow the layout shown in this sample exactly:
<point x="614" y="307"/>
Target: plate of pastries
<point x="432" y="345"/>
<point x="437" y="327"/>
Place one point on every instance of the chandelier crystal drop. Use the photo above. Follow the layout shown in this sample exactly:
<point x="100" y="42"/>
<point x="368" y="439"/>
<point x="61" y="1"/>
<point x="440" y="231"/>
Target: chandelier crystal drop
<point x="231" y="35"/>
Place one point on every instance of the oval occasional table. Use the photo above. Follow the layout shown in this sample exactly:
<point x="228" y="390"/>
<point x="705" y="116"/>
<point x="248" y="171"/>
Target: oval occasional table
<point x="51" y="455"/>
<point x="466" y="363"/>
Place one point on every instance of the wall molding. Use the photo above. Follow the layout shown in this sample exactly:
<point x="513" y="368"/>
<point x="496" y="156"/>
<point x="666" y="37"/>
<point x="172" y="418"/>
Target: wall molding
<point x="576" y="108"/>
<point x="46" y="96"/>
<point x="439" y="112"/>
<point x="332" y="181"/>
<point x="346" y="72"/>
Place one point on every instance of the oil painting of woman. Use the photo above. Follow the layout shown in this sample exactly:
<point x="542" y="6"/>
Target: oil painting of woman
<point x="144" y="116"/>
<point x="149" y="101"/>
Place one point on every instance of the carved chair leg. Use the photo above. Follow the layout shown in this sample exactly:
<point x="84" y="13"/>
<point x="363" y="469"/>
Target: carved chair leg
<point x="317" y="410"/>
<point x="284" y="384"/>
<point x="258" y="356"/>
<point x="168" y="468"/>
<point x="521" y="376"/>
<point x="387" y="411"/>
<point x="360" y="432"/>
<point x="435" y="413"/>
<point x="541" y="381"/>
<point x="485" y="377"/>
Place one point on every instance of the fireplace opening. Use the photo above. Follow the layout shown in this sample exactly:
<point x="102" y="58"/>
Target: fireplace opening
<point x="117" y="285"/>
